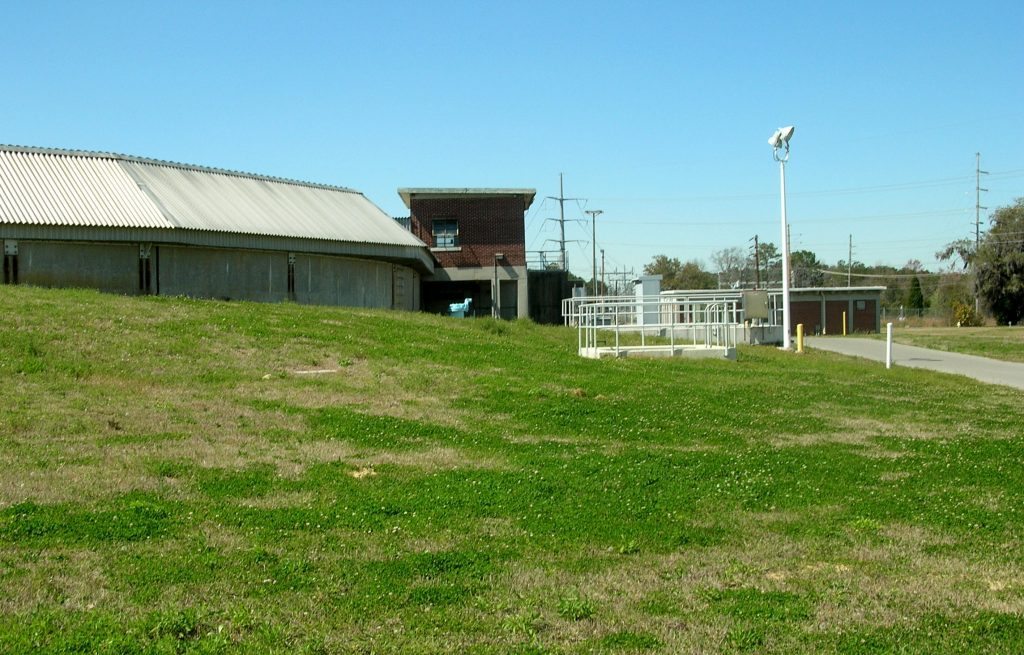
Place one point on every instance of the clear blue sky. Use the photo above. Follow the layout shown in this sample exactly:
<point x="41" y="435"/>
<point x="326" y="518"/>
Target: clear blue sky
<point x="657" y="113"/>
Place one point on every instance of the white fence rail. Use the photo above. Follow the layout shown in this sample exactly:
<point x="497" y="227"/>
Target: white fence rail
<point x="654" y="325"/>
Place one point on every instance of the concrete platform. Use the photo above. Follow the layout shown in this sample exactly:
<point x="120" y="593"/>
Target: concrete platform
<point x="690" y="351"/>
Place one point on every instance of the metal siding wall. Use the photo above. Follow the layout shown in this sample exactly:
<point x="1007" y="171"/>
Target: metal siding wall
<point x="113" y="268"/>
<point x="224" y="274"/>
<point x="865" y="320"/>
<point x="807" y="312"/>
<point x="834" y="315"/>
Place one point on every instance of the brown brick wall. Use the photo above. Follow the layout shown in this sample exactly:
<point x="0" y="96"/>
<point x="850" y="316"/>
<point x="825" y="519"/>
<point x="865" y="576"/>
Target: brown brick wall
<point x="486" y="226"/>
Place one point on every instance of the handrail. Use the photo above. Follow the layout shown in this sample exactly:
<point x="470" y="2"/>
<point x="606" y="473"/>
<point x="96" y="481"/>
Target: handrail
<point x="702" y="323"/>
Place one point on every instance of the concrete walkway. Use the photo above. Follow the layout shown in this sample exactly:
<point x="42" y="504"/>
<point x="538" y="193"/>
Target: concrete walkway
<point x="987" y="370"/>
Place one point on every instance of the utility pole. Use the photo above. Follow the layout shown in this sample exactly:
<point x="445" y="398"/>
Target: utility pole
<point x="757" y="264"/>
<point x="594" y="213"/>
<point x="620" y="276"/>
<point x="977" y="200"/>
<point x="849" y="265"/>
<point x="977" y="219"/>
<point x="602" y="272"/>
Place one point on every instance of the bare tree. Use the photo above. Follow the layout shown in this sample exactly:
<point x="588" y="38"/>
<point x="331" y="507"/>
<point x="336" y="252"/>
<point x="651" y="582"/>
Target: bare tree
<point x="730" y="262"/>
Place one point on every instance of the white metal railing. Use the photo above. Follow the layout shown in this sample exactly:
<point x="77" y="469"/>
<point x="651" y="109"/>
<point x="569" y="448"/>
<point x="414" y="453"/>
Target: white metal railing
<point x="731" y="303"/>
<point x="659" y="323"/>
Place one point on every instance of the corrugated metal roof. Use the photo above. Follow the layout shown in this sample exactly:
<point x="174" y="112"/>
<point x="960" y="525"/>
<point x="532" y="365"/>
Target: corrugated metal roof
<point x="41" y="188"/>
<point x="60" y="187"/>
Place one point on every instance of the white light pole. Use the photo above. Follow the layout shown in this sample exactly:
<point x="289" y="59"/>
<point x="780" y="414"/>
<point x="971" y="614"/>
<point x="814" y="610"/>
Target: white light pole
<point x="594" y="213"/>
<point x="780" y="150"/>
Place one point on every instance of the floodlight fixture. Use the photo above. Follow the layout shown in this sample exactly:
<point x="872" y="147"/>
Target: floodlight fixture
<point x="780" y="140"/>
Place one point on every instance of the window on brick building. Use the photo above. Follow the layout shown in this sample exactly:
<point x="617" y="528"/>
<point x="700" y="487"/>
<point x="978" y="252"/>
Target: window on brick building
<point x="445" y="232"/>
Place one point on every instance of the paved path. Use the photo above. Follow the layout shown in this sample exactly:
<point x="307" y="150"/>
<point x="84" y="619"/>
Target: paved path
<point x="988" y="370"/>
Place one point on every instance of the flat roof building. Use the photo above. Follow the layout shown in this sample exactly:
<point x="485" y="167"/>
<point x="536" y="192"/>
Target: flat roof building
<point x="478" y="237"/>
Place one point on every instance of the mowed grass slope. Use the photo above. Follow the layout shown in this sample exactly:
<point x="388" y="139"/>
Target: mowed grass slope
<point x="183" y="476"/>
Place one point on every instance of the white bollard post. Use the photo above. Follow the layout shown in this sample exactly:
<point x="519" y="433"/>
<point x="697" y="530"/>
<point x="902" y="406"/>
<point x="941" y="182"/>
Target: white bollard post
<point x="888" y="345"/>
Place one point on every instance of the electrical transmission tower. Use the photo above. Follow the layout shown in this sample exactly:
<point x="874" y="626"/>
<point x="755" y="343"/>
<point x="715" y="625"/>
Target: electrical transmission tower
<point x="561" y="221"/>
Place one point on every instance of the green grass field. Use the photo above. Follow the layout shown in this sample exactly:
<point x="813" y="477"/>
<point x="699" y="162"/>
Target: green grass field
<point x="205" y="477"/>
<point x="1006" y="343"/>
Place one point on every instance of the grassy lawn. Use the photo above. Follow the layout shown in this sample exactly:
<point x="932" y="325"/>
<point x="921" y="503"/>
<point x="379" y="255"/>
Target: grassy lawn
<point x="1006" y="343"/>
<point x="206" y="477"/>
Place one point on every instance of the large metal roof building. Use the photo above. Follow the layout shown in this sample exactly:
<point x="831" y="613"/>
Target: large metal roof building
<point x="73" y="218"/>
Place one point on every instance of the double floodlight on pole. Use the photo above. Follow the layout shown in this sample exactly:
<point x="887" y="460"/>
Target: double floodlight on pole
<point x="780" y="150"/>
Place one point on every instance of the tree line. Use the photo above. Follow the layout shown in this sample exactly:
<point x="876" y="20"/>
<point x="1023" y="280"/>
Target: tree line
<point x="992" y="271"/>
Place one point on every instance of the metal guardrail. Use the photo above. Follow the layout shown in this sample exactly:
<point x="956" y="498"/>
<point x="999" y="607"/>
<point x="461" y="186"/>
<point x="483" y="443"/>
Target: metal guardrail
<point x="730" y="302"/>
<point x="663" y="325"/>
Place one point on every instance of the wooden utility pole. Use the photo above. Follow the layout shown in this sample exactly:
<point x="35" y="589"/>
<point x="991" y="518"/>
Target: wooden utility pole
<point x="757" y="265"/>
<point x="849" y="265"/>
<point x="977" y="218"/>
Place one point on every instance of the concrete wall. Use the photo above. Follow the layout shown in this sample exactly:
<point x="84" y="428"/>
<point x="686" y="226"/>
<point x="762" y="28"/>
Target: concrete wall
<point x="340" y="281"/>
<point x="515" y="298"/>
<point x="113" y="268"/>
<point x="405" y="288"/>
<point x="224" y="274"/>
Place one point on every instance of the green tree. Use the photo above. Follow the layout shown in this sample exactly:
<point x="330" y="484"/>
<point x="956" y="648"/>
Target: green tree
<point x="999" y="264"/>
<point x="677" y="275"/>
<point x="962" y="249"/>
<point x="667" y="267"/>
<point x="953" y="293"/>
<point x="693" y="276"/>
<point x="806" y="269"/>
<point x="915" y="299"/>
<point x="769" y="261"/>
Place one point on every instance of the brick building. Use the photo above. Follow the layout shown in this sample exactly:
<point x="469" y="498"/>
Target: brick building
<point x="478" y="237"/>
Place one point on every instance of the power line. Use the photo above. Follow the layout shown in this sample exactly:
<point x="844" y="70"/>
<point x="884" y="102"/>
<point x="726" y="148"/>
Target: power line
<point x="899" y="186"/>
<point x="864" y="217"/>
<point x="880" y="275"/>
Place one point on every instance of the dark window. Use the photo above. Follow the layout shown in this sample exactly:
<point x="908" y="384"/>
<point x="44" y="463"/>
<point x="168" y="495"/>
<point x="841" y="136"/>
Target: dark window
<point x="291" y="276"/>
<point x="10" y="269"/>
<point x="446" y="232"/>
<point x="145" y="270"/>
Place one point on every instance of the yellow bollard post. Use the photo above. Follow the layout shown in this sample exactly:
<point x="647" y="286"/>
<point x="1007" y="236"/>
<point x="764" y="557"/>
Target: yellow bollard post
<point x="844" y="324"/>
<point x="799" y="337"/>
